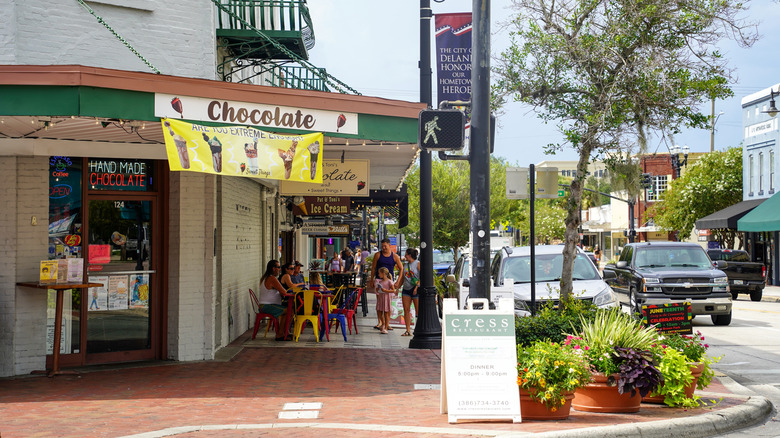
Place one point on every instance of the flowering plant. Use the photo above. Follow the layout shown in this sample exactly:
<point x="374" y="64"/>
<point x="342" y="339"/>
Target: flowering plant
<point x="616" y="343"/>
<point x="694" y="349"/>
<point x="548" y="370"/>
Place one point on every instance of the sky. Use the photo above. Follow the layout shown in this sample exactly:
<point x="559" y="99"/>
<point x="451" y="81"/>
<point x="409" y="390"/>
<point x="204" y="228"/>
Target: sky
<point x="373" y="46"/>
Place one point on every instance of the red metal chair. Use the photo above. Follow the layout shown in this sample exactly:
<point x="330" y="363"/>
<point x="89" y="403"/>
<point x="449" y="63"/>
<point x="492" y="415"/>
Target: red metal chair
<point x="350" y="308"/>
<point x="259" y="316"/>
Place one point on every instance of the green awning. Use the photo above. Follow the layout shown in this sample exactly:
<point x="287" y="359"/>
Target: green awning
<point x="765" y="217"/>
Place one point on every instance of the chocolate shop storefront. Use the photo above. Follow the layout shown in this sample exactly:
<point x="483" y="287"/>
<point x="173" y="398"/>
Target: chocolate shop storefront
<point x="86" y="175"/>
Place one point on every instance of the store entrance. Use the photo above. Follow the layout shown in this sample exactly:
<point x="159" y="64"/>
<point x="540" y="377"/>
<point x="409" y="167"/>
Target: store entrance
<point x="122" y="316"/>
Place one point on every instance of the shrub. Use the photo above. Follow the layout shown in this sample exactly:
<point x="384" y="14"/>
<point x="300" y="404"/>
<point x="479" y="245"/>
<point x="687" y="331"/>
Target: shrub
<point x="548" y="371"/>
<point x="551" y="324"/>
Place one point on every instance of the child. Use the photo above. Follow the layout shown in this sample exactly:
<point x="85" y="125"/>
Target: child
<point x="384" y="287"/>
<point x="315" y="280"/>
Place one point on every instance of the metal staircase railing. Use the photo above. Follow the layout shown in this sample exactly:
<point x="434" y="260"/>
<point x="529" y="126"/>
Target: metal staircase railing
<point x="273" y="15"/>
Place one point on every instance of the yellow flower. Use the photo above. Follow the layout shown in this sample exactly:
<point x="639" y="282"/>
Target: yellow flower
<point x="553" y="409"/>
<point x="563" y="401"/>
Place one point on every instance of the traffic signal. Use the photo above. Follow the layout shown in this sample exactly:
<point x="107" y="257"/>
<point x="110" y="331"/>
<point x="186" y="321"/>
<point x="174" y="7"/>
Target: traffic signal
<point x="442" y="130"/>
<point x="647" y="181"/>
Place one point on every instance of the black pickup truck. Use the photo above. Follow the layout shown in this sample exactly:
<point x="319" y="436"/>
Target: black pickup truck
<point x="670" y="272"/>
<point x="745" y="277"/>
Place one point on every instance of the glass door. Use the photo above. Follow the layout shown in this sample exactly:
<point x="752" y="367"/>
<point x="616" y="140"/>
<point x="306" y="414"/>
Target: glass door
<point x="121" y="254"/>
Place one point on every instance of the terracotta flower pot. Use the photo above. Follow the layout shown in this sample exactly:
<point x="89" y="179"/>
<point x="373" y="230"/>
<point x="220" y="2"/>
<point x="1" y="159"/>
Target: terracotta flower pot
<point x="531" y="409"/>
<point x="696" y="370"/>
<point x="598" y="396"/>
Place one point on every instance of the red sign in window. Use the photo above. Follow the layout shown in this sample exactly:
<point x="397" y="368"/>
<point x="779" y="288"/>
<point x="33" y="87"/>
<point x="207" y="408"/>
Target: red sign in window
<point x="99" y="254"/>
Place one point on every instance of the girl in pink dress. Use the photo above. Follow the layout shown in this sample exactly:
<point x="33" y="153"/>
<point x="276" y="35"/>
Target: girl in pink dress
<point x="384" y="288"/>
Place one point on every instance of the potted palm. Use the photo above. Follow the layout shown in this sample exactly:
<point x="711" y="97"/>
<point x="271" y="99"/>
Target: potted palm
<point x="548" y="373"/>
<point x="624" y="369"/>
<point x="685" y="366"/>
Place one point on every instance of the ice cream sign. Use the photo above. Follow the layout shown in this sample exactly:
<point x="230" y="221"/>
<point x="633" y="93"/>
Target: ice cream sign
<point x="348" y="178"/>
<point x="242" y="151"/>
<point x="246" y="113"/>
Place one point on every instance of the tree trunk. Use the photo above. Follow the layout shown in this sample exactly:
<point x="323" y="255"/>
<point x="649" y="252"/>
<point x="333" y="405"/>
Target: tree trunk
<point x="573" y="220"/>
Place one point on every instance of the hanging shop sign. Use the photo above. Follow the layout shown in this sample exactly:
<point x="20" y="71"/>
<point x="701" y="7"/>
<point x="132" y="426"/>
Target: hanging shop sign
<point x="324" y="230"/>
<point x="245" y="113"/>
<point x="242" y="151"/>
<point x="349" y="178"/>
<point x="321" y="205"/>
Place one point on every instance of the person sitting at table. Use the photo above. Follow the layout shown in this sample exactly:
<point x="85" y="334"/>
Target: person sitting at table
<point x="270" y="296"/>
<point x="297" y="275"/>
<point x="286" y="278"/>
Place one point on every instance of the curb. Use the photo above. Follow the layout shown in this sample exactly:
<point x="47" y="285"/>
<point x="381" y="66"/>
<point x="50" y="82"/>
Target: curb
<point x="753" y="412"/>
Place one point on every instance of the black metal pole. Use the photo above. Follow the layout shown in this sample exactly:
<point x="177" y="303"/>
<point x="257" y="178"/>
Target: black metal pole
<point x="532" y="229"/>
<point x="479" y="209"/>
<point x="427" y="329"/>
<point x="631" y="231"/>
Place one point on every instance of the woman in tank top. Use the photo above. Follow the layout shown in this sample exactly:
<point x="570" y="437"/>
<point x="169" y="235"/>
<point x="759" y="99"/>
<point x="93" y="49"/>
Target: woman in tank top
<point x="270" y="296"/>
<point x="386" y="258"/>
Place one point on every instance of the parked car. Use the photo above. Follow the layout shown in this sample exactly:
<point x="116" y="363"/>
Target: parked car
<point x="510" y="271"/>
<point x="745" y="276"/>
<point x="442" y="260"/>
<point x="458" y="280"/>
<point x="671" y="272"/>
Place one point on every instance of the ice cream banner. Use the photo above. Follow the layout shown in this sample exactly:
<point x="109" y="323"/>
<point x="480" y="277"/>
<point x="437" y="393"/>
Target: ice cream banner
<point x="243" y="151"/>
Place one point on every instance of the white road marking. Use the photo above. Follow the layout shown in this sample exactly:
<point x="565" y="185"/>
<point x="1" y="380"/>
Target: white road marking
<point x="302" y="406"/>
<point x="294" y="415"/>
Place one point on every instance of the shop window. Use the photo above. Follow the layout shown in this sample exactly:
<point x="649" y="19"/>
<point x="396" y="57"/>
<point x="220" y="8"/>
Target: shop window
<point x="760" y="173"/>
<point x="771" y="171"/>
<point x="750" y="174"/>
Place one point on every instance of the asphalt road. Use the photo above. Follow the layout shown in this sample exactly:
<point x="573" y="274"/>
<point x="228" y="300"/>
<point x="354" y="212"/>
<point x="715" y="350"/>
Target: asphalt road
<point x="750" y="351"/>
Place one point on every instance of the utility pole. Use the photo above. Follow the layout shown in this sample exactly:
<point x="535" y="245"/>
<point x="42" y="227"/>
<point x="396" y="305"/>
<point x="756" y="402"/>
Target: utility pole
<point x="479" y="210"/>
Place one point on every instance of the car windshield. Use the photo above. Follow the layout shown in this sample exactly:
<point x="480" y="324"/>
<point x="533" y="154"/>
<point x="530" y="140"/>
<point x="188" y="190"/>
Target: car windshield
<point x="443" y="257"/>
<point x="548" y="268"/>
<point x="667" y="257"/>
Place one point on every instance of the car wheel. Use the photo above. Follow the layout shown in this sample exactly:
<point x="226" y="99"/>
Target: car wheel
<point x="755" y="295"/>
<point x="633" y="304"/>
<point x="734" y="295"/>
<point x="721" y="319"/>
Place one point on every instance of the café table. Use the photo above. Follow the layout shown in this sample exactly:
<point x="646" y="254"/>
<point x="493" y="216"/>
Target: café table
<point x="60" y="288"/>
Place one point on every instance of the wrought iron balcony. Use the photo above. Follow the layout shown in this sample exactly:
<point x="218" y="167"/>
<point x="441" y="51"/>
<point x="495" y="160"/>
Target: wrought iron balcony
<point x="265" y="29"/>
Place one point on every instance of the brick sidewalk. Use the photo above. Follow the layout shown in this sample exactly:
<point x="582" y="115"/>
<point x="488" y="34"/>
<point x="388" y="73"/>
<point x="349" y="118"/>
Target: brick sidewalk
<point x="359" y="388"/>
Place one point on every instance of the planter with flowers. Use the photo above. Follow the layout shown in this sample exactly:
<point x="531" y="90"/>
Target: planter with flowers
<point x="624" y="369"/>
<point x="548" y="373"/>
<point x="685" y="366"/>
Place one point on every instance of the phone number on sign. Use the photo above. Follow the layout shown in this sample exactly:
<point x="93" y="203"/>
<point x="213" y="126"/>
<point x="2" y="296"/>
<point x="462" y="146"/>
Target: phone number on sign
<point x="483" y="403"/>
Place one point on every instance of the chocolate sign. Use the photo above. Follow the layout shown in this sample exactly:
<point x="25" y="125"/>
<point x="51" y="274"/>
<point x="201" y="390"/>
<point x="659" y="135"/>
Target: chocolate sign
<point x="350" y="178"/>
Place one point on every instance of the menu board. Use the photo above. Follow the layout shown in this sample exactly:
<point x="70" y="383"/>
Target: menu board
<point x="669" y="317"/>
<point x="479" y="362"/>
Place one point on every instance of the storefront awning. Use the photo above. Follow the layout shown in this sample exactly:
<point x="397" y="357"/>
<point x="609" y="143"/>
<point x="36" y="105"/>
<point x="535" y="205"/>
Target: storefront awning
<point x="762" y="218"/>
<point x="728" y="217"/>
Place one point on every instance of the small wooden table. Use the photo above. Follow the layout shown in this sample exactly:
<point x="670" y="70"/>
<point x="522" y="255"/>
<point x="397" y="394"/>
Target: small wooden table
<point x="59" y="287"/>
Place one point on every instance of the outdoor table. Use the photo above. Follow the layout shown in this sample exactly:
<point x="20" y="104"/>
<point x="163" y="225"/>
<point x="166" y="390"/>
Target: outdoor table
<point x="59" y="287"/>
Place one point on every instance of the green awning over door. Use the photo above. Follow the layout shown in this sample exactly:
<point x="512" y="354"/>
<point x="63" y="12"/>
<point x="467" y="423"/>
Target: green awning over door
<point x="765" y="217"/>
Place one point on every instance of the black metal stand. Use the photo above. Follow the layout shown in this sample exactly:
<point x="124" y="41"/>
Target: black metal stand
<point x="427" y="329"/>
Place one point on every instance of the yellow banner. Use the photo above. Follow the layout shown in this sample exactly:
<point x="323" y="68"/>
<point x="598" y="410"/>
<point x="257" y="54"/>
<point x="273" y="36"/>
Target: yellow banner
<point x="243" y="151"/>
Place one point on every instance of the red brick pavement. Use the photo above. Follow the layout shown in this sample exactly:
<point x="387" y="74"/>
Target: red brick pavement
<point x="355" y="386"/>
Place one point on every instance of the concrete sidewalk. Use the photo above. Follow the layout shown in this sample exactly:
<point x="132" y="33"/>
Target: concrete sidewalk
<point x="371" y="385"/>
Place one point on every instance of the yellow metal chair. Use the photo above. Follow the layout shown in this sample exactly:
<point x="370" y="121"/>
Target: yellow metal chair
<point x="304" y="305"/>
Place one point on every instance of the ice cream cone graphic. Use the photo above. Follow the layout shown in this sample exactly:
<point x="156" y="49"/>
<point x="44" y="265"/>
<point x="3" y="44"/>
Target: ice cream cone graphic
<point x="287" y="158"/>
<point x="300" y="202"/>
<point x="181" y="147"/>
<point x="314" y="151"/>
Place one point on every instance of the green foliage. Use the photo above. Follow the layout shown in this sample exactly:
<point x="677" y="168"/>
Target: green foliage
<point x="551" y="324"/>
<point x="676" y="370"/>
<point x="549" y="371"/>
<point x="608" y="73"/>
<point x="609" y="329"/>
<point x="692" y="347"/>
<point x="712" y="183"/>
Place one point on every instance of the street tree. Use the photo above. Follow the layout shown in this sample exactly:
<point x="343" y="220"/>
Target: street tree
<point x="712" y="183"/>
<point x="609" y="73"/>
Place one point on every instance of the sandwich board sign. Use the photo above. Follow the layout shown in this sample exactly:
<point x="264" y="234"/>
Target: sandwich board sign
<point x="479" y="362"/>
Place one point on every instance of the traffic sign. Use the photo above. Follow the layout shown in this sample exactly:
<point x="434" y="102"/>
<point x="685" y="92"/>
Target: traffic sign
<point x="442" y="130"/>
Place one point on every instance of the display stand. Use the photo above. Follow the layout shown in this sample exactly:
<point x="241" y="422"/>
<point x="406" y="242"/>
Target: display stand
<point x="479" y="362"/>
<point x="59" y="287"/>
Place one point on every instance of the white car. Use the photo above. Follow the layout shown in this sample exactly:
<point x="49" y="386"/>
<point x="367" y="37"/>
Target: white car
<point x="458" y="281"/>
<point x="510" y="272"/>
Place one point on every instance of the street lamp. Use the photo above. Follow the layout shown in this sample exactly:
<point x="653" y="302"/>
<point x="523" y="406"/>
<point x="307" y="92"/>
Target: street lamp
<point x="676" y="162"/>
<point x="712" y="129"/>
<point x="772" y="111"/>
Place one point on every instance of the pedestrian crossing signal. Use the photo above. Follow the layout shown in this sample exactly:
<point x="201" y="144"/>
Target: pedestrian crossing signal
<point x="442" y="130"/>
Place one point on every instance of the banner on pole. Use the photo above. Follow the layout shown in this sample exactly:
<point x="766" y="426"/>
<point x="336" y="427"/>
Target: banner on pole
<point x="243" y="151"/>
<point x="453" y="56"/>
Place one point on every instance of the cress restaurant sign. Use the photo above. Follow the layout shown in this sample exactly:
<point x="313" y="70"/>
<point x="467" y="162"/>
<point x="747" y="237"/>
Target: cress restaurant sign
<point x="245" y="113"/>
